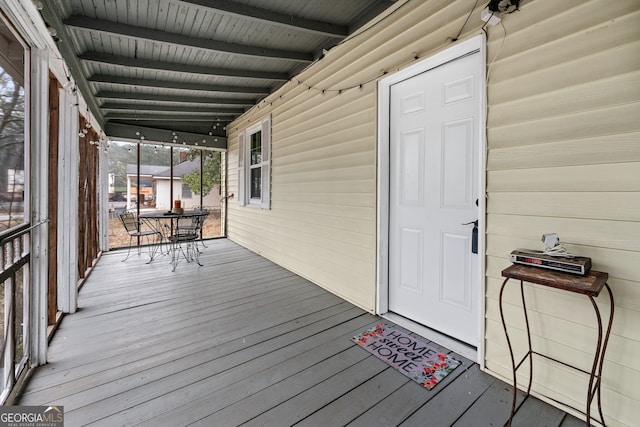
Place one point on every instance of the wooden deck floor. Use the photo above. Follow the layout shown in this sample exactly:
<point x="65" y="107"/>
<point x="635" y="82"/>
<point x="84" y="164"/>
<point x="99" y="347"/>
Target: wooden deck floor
<point x="241" y="341"/>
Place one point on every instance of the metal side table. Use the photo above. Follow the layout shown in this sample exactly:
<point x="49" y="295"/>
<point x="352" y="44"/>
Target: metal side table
<point x="590" y="286"/>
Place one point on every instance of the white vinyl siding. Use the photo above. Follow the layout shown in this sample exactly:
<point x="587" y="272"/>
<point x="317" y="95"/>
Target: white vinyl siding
<point x="563" y="156"/>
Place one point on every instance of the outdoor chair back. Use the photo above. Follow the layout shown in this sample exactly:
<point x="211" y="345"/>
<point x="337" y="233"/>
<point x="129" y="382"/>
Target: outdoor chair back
<point x="133" y="227"/>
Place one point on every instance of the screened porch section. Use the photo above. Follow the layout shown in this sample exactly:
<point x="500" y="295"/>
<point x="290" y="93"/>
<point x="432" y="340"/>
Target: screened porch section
<point x="151" y="178"/>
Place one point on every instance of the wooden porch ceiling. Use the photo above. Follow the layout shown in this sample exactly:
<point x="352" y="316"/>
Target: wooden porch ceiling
<point x="242" y="341"/>
<point x="134" y="61"/>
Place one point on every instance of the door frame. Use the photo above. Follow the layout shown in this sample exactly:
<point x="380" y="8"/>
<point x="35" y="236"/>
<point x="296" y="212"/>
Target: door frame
<point x="477" y="43"/>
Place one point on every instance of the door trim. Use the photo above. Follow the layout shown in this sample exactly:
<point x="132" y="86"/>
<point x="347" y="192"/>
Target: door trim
<point x="475" y="44"/>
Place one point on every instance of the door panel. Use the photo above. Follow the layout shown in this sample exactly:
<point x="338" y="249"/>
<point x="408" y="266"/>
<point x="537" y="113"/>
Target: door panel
<point x="411" y="262"/>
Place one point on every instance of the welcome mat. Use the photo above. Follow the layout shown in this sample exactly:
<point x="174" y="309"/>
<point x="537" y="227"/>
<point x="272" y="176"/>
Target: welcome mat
<point x="413" y="358"/>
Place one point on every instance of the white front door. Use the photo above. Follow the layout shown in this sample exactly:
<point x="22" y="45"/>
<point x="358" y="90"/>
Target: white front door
<point x="434" y="144"/>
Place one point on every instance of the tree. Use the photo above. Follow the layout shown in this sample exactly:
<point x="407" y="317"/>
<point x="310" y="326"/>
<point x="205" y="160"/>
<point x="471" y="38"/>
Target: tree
<point x="11" y="148"/>
<point x="210" y="171"/>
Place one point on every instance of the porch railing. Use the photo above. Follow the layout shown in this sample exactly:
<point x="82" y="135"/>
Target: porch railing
<point x="15" y="258"/>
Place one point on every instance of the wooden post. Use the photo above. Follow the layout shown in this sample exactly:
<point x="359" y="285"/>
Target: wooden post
<point x="82" y="211"/>
<point x="54" y="127"/>
<point x="91" y="199"/>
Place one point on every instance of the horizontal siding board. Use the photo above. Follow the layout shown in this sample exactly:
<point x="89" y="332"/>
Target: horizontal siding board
<point x="333" y="165"/>
<point x="607" y="121"/>
<point x="338" y="127"/>
<point x="604" y="177"/>
<point x="336" y="199"/>
<point x="311" y="219"/>
<point x="346" y="175"/>
<point x="322" y="190"/>
<point x="322" y="146"/>
<point x="541" y="22"/>
<point x="324" y="110"/>
<point x="618" y="148"/>
<point x="586" y="205"/>
<point x="580" y="71"/>
<point x="331" y="213"/>
<point x="617" y="90"/>
<point x="351" y="244"/>
<point x="540" y="47"/>
<point x="331" y="264"/>
<point x="620" y="235"/>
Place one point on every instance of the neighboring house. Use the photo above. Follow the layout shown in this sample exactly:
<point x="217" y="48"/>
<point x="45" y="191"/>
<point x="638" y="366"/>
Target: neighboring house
<point x="156" y="186"/>
<point x="146" y="187"/>
<point x="543" y="118"/>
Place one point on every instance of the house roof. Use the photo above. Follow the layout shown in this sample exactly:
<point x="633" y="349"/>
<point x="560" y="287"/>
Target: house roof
<point x="179" y="169"/>
<point x="185" y="167"/>
<point x="146" y="170"/>
<point x="153" y="68"/>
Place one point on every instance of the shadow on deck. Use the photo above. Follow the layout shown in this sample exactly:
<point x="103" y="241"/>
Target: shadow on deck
<point x="242" y="341"/>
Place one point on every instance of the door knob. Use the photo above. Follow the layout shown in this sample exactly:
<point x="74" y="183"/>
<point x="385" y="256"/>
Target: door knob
<point x="474" y="236"/>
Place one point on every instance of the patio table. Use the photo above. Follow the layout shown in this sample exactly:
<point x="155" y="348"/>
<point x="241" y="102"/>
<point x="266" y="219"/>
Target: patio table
<point x="590" y="286"/>
<point x="168" y="224"/>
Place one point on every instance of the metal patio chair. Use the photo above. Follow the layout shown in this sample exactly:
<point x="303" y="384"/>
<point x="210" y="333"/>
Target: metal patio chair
<point x="137" y="228"/>
<point x="205" y="212"/>
<point x="184" y="239"/>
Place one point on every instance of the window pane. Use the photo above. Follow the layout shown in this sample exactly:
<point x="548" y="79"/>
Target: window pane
<point x="256" y="183"/>
<point x="205" y="185"/>
<point x="19" y="326"/>
<point x="256" y="148"/>
<point x="186" y="191"/>
<point x="12" y="135"/>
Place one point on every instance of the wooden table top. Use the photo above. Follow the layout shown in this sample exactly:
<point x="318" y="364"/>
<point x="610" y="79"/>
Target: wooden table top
<point x="590" y="284"/>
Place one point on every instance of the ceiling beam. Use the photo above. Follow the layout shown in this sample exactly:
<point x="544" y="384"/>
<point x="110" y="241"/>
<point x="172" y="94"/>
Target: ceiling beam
<point x="175" y="108"/>
<point x="269" y="16"/>
<point x="211" y="128"/>
<point x="105" y="94"/>
<point x="181" y="68"/>
<point x="131" y="132"/>
<point x="171" y="117"/>
<point x="92" y="24"/>
<point x="126" y="81"/>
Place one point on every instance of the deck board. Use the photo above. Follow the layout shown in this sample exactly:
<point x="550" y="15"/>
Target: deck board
<point x="534" y="413"/>
<point x="240" y="341"/>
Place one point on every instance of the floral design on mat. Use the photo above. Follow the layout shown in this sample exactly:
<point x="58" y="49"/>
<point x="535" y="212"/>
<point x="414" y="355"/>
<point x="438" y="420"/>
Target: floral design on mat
<point x="432" y="375"/>
<point x="373" y="332"/>
<point x="417" y="360"/>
